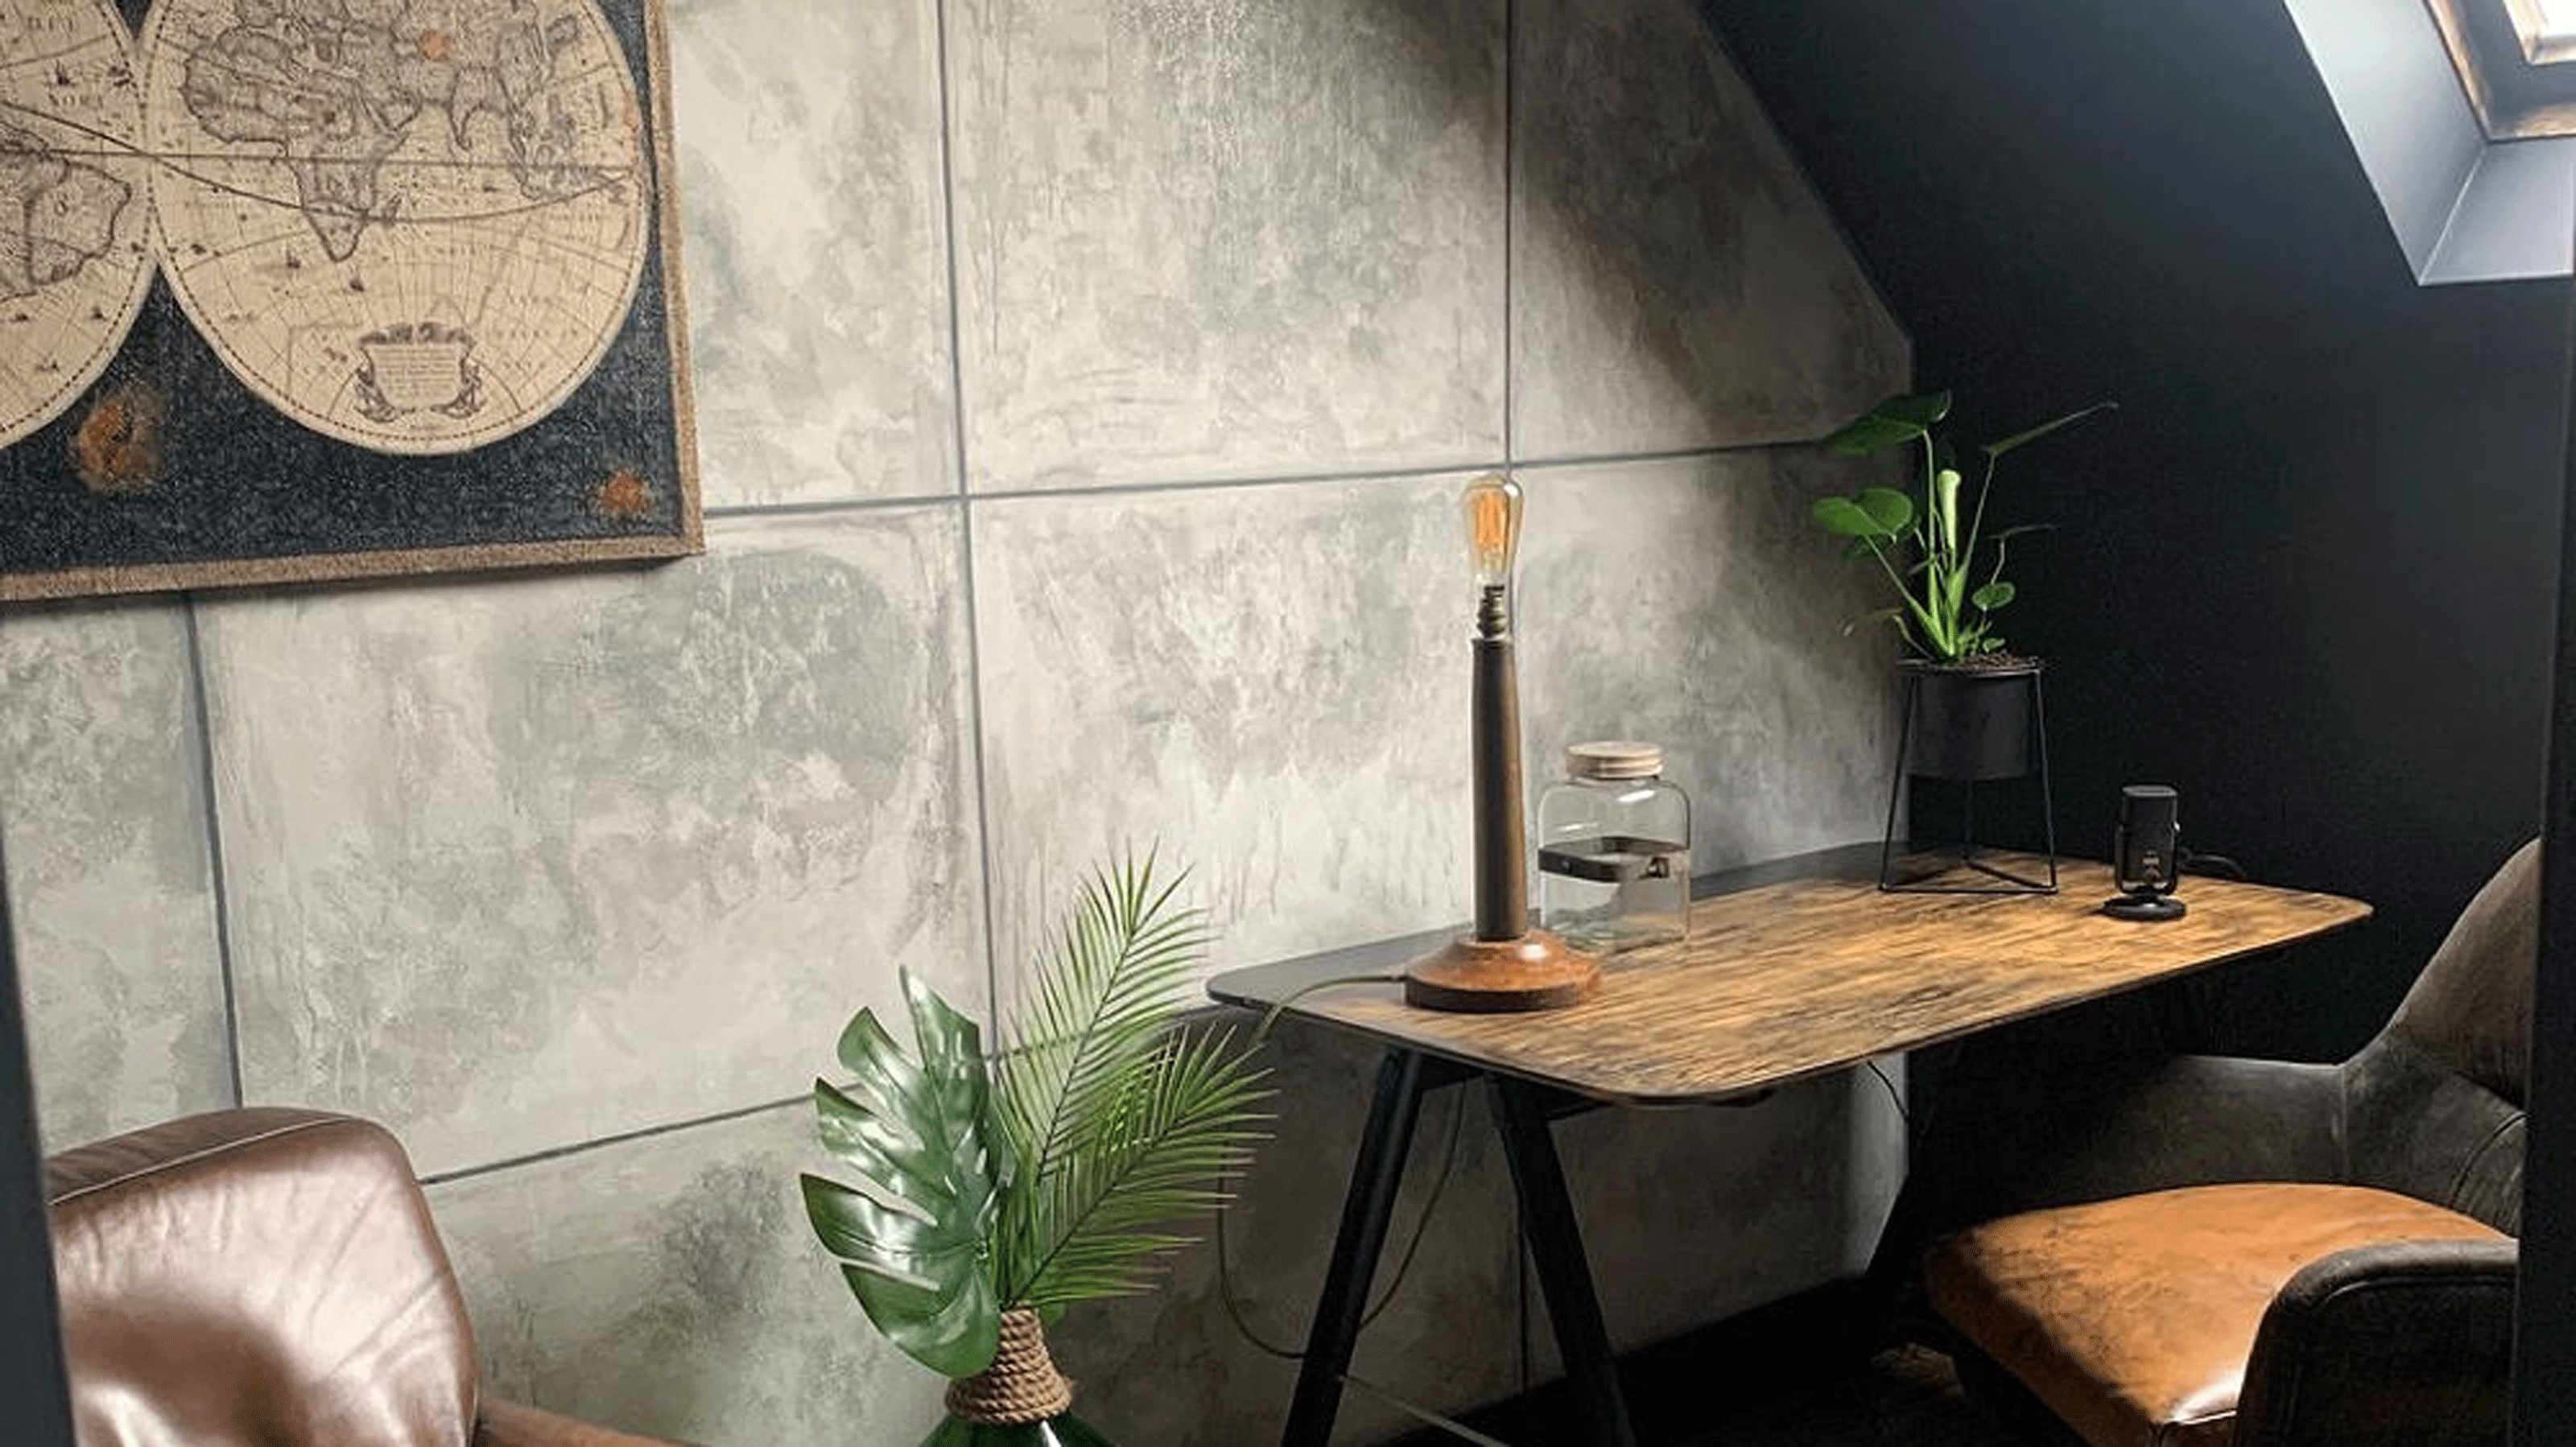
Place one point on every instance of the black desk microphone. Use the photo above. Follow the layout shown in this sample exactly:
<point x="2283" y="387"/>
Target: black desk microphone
<point x="2146" y="855"/>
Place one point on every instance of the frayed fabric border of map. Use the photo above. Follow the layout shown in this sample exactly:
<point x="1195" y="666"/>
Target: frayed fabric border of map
<point x="305" y="289"/>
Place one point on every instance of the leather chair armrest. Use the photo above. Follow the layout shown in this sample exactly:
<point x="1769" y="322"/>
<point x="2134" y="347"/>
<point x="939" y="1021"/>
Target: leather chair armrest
<point x="2018" y="1144"/>
<point x="2402" y="1342"/>
<point x="512" y="1424"/>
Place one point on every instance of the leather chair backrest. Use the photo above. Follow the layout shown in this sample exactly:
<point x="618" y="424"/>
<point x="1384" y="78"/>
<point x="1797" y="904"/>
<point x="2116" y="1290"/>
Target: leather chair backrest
<point x="2471" y="1008"/>
<point x="257" y="1278"/>
<point x="2433" y="1106"/>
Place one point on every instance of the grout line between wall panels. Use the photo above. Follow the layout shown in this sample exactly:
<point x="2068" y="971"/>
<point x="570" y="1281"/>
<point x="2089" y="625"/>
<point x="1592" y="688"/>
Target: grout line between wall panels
<point x="840" y="505"/>
<point x="1511" y="199"/>
<point x="556" y="1153"/>
<point x="217" y="879"/>
<point x="1197" y="1014"/>
<point x="948" y="239"/>
<point x="1670" y="454"/>
<point x="1225" y="484"/>
<point x="1231" y="484"/>
<point x="975" y="736"/>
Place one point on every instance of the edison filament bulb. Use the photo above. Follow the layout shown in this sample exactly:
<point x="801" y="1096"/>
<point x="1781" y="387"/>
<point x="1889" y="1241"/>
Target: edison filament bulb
<point x="1493" y="505"/>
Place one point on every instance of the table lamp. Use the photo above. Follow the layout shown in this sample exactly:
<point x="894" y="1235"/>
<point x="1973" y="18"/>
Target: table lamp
<point x="1504" y="966"/>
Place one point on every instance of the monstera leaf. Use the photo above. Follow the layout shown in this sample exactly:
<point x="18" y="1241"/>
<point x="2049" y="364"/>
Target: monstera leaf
<point x="914" y="1240"/>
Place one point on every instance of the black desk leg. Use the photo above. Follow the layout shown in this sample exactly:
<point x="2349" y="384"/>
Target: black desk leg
<point x="1556" y="1248"/>
<point x="1402" y="1080"/>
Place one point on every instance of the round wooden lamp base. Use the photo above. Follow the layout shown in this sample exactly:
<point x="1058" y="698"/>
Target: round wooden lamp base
<point x="1538" y="971"/>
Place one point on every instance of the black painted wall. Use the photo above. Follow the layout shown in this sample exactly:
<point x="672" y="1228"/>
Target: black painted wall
<point x="2307" y="574"/>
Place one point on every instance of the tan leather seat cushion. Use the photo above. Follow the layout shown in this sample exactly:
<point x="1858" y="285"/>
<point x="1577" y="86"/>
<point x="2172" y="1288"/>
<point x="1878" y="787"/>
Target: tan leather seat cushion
<point x="2132" y="1318"/>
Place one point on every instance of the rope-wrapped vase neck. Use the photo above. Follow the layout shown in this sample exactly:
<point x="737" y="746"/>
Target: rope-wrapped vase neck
<point x="1021" y="1386"/>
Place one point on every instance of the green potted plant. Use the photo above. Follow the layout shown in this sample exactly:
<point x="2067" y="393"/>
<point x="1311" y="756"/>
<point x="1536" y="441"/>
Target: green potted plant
<point x="1972" y="715"/>
<point x="996" y="1192"/>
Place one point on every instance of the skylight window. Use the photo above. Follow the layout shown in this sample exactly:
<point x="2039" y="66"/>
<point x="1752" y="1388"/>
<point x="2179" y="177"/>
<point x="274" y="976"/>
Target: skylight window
<point x="2548" y="29"/>
<point x="2514" y="60"/>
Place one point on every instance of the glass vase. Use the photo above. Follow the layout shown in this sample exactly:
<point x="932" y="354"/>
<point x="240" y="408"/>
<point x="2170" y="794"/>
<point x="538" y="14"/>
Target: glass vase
<point x="1066" y="1430"/>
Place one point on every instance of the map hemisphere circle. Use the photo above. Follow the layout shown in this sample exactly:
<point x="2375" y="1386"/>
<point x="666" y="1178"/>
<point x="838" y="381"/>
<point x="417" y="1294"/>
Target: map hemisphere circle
<point x="75" y="256"/>
<point x="414" y="226"/>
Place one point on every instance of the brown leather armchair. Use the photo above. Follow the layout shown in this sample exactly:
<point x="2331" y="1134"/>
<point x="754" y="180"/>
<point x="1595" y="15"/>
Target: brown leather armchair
<point x="269" y="1278"/>
<point x="2236" y="1253"/>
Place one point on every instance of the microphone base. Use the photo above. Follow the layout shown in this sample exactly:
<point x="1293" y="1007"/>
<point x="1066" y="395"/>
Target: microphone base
<point x="2146" y="909"/>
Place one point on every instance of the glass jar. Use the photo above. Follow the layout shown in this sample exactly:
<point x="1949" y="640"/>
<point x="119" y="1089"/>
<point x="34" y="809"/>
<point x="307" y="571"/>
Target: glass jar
<point x="1614" y="850"/>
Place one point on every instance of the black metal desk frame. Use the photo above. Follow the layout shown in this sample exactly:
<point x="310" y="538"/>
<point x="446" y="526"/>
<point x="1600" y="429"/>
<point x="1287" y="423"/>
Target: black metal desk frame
<point x="1523" y="1116"/>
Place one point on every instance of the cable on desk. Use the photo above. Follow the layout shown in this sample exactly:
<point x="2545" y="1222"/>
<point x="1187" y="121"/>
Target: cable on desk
<point x="2217" y="864"/>
<point x="1224" y="1272"/>
<point x="1403" y="1263"/>
<point x="1270" y="1017"/>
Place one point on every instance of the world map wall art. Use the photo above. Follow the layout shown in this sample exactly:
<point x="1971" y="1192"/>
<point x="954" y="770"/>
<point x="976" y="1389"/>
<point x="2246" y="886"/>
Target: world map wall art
<point x="300" y="289"/>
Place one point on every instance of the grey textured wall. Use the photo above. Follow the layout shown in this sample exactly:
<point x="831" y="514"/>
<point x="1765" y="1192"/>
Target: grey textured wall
<point x="1085" y="387"/>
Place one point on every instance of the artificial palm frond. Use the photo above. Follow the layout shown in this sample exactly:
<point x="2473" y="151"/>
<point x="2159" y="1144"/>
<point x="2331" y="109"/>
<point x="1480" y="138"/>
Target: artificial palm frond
<point x="1153" y="1152"/>
<point x="1112" y="985"/>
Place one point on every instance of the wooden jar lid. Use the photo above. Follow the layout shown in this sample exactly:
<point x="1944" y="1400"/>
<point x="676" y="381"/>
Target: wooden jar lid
<point x="1614" y="759"/>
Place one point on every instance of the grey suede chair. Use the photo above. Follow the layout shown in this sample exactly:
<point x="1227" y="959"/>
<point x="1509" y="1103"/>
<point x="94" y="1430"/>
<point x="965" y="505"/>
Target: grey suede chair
<point x="2261" y="1254"/>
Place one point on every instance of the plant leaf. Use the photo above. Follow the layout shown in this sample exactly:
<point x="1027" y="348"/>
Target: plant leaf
<point x="2018" y="439"/>
<point x="1893" y="511"/>
<point x="1892" y="423"/>
<point x="1182" y="1123"/>
<point x="1876" y="615"/>
<point x="1993" y="596"/>
<point x="931" y="1296"/>
<point x="1121" y="1127"/>
<point x="1879" y="513"/>
<point x="1845" y="518"/>
<point x="1096" y="1031"/>
<point x="915" y="1251"/>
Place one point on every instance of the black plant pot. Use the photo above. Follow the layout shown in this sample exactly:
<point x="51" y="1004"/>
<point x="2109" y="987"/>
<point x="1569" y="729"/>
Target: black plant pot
<point x="1971" y="724"/>
<point x="1963" y="727"/>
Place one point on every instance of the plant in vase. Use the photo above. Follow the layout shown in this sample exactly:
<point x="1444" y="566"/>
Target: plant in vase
<point x="997" y="1192"/>
<point x="1948" y="575"/>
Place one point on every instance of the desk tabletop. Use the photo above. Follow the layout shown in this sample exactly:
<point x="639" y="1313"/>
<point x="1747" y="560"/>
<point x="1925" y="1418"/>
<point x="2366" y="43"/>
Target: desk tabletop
<point x="1804" y="968"/>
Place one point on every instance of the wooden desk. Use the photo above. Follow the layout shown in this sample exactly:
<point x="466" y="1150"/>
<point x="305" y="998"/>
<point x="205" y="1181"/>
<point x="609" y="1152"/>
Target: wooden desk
<point x="1793" y="970"/>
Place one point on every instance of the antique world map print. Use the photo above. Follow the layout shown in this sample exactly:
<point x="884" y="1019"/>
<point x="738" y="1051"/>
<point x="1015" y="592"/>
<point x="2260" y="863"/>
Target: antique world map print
<point x="294" y="289"/>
